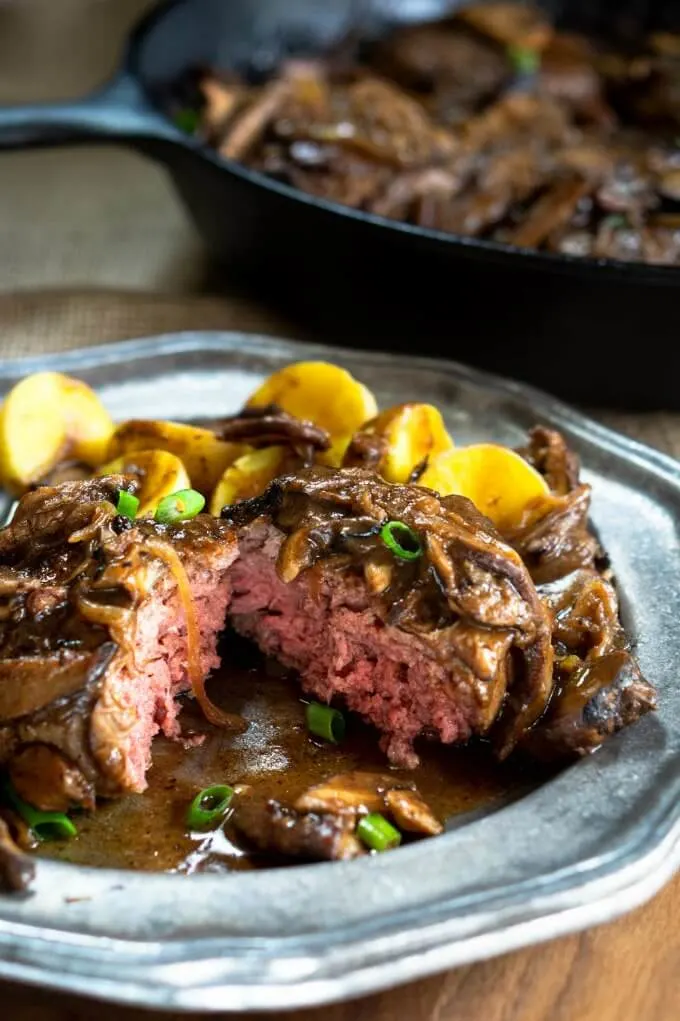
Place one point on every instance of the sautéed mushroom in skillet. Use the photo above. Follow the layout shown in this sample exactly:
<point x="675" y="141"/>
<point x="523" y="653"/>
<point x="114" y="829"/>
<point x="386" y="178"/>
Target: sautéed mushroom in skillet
<point x="490" y="124"/>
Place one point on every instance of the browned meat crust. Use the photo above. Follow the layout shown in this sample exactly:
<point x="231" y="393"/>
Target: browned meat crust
<point x="76" y="584"/>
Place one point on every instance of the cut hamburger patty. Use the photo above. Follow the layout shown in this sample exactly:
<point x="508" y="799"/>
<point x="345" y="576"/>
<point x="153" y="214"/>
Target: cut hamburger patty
<point x="103" y="622"/>
<point x="434" y="646"/>
<point x="94" y="639"/>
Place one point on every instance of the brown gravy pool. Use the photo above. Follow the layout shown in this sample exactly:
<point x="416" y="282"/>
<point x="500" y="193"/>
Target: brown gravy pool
<point x="278" y="757"/>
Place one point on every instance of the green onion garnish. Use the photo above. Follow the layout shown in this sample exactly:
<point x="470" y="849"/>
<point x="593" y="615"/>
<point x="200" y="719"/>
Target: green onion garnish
<point x="187" y="120"/>
<point x="617" y="221"/>
<point x="401" y="540"/>
<point x="209" y="806"/>
<point x="523" y="60"/>
<point x="127" y="505"/>
<point x="180" y="506"/>
<point x="377" y="833"/>
<point x="325" y="722"/>
<point x="43" y="825"/>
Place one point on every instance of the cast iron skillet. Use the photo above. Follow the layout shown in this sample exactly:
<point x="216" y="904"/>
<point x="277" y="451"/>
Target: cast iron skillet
<point x="602" y="333"/>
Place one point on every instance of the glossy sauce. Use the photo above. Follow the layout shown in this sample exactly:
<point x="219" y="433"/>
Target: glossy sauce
<point x="277" y="756"/>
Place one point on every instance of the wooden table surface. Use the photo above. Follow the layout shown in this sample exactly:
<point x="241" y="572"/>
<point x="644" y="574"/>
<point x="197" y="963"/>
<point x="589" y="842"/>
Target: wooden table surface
<point x="104" y="251"/>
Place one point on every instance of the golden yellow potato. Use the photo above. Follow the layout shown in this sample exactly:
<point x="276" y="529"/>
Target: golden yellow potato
<point x="499" y="482"/>
<point x="409" y="433"/>
<point x="159" y="472"/>
<point x="45" y="418"/>
<point x="248" y="476"/>
<point x="321" y="393"/>
<point x="88" y="423"/>
<point x="204" y="456"/>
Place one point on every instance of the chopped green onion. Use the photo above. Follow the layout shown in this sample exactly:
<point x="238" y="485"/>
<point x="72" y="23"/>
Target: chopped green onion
<point x="128" y="504"/>
<point x="617" y="221"/>
<point x="209" y="806"/>
<point x="43" y="825"/>
<point x="187" y="120"/>
<point x="325" y="722"/>
<point x="524" y="61"/>
<point x="180" y="506"/>
<point x="377" y="833"/>
<point x="401" y="540"/>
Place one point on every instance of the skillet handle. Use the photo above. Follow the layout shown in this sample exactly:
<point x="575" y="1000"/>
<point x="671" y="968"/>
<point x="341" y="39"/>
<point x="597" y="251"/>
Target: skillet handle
<point x="120" y="111"/>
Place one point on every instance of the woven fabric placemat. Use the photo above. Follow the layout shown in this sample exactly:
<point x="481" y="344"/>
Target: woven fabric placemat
<point x="94" y="244"/>
<point x="34" y="323"/>
<point x="84" y="216"/>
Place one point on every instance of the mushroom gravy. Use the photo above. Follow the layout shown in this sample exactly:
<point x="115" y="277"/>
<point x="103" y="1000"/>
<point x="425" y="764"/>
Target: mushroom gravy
<point x="279" y="758"/>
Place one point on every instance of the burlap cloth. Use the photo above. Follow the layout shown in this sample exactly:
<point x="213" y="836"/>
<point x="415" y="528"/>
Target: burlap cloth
<point x="94" y="245"/>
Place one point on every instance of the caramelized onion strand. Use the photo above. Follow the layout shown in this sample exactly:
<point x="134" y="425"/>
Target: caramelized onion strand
<point x="213" y="714"/>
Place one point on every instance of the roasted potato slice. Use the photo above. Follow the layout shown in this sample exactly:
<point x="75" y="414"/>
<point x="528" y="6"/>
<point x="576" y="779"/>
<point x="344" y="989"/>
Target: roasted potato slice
<point x="404" y="436"/>
<point x="89" y="425"/>
<point x="321" y="393"/>
<point x="45" y="418"/>
<point x="159" y="473"/>
<point x="33" y="435"/>
<point x="500" y="483"/>
<point x="203" y="454"/>
<point x="249" y="476"/>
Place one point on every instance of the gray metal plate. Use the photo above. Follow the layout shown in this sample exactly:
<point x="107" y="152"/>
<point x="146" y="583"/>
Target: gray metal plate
<point x="583" y="848"/>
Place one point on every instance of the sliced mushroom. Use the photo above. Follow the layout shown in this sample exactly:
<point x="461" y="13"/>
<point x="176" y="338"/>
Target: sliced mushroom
<point x="277" y="829"/>
<point x="669" y="185"/>
<point x="17" y="870"/>
<point x="411" y="813"/>
<point x="263" y="426"/>
<point x="355" y="794"/>
<point x="221" y="102"/>
<point x="349" y="794"/>
<point x="553" y="210"/>
<point x="44" y="778"/>
<point x="378" y="576"/>
<point x="251" y="124"/>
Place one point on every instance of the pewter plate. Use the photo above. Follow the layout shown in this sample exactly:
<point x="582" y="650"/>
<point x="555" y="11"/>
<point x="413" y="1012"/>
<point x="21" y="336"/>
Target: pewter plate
<point x="585" y="847"/>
